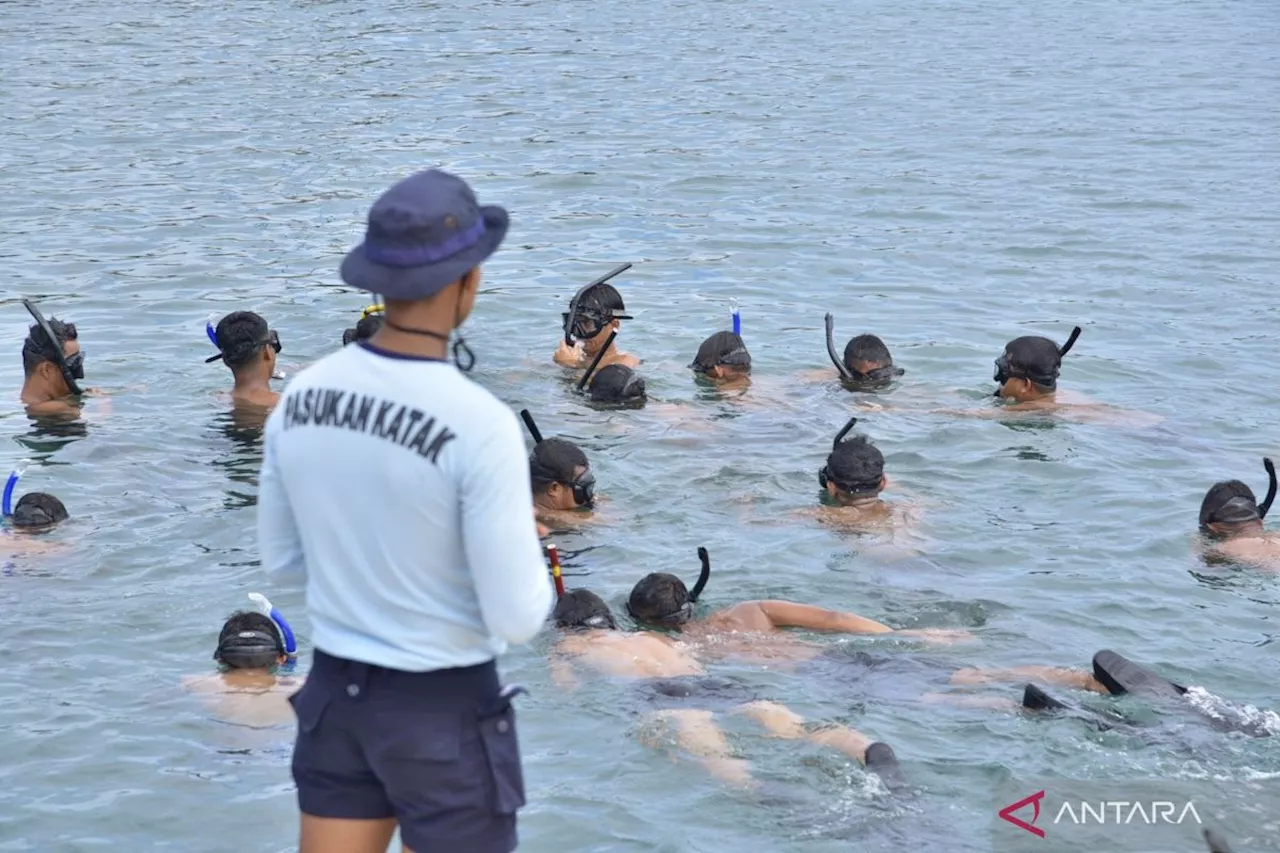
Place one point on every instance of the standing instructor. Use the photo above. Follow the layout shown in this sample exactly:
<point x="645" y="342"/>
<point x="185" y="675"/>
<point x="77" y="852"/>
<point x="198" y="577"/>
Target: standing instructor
<point x="400" y="490"/>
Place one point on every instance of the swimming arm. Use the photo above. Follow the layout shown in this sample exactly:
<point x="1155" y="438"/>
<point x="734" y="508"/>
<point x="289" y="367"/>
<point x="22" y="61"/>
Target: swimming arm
<point x="786" y="614"/>
<point x="279" y="544"/>
<point x="500" y="536"/>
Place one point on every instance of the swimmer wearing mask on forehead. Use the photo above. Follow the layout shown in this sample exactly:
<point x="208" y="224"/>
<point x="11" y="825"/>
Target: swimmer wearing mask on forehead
<point x="24" y="520"/>
<point x="589" y="327"/>
<point x="398" y="490"/>
<point x="255" y="654"/>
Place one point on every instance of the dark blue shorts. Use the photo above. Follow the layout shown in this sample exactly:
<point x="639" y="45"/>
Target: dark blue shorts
<point x="435" y="750"/>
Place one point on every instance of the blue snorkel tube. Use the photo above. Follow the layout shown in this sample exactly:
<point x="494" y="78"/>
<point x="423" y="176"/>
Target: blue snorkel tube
<point x="208" y="330"/>
<point x="737" y="319"/>
<point x="6" y="505"/>
<point x="290" y="644"/>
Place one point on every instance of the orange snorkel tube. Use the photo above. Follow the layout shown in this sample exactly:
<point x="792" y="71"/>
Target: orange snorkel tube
<point x="553" y="554"/>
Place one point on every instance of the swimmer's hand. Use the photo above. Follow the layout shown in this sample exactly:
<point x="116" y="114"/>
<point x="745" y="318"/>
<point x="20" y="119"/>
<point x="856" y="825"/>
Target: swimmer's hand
<point x="939" y="636"/>
<point x="568" y="356"/>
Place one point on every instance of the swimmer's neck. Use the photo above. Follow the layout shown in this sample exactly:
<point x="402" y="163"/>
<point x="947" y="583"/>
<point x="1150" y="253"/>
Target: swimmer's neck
<point x="248" y="677"/>
<point x="253" y="389"/>
<point x="1248" y="530"/>
<point x="1030" y="396"/>
<point x="860" y="502"/>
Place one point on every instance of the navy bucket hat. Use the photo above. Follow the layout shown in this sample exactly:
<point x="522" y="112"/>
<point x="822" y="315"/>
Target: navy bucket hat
<point x="423" y="234"/>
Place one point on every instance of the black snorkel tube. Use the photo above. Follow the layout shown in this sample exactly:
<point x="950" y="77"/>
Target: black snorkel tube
<point x="1271" y="489"/>
<point x="531" y="426"/>
<point x="582" y="383"/>
<point x="1071" y="341"/>
<point x="59" y="356"/>
<point x="572" y="316"/>
<point x="845" y="375"/>
<point x="703" y="576"/>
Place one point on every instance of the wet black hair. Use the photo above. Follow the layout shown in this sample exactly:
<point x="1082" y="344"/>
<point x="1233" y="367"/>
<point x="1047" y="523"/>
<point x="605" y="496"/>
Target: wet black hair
<point x="659" y="597"/>
<point x="856" y="466"/>
<point x="553" y="460"/>
<point x="365" y="329"/>
<point x="249" y="640"/>
<point x="1034" y="358"/>
<point x="601" y="302"/>
<point x="241" y="334"/>
<point x="867" y="348"/>
<point x="38" y="348"/>
<point x="38" y="509"/>
<point x="582" y="608"/>
<point x="722" y="348"/>
<point x="616" y="383"/>
<point x="1229" y="502"/>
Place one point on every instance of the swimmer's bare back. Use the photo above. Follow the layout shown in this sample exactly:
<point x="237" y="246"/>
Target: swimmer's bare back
<point x="1259" y="552"/>
<point x="638" y="654"/>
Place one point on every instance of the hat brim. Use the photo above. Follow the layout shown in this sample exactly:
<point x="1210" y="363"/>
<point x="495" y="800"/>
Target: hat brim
<point x="411" y="283"/>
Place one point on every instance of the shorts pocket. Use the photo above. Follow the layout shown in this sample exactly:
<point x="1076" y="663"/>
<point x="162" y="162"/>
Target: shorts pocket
<point x="309" y="703"/>
<point x="502" y="754"/>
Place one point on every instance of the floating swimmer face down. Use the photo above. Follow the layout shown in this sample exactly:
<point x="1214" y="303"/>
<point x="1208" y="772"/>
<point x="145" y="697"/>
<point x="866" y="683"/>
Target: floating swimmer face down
<point x="1231" y="509"/>
<point x="617" y="385"/>
<point x="36" y="511"/>
<point x="583" y="609"/>
<point x="854" y="469"/>
<point x="250" y="640"/>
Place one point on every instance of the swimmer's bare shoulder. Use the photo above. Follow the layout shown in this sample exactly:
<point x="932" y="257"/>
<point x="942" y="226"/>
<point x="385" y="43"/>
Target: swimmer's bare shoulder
<point x="1262" y="552"/>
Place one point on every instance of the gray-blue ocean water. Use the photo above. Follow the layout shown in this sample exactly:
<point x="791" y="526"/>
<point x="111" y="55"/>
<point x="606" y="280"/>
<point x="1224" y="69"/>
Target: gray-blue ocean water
<point x="949" y="175"/>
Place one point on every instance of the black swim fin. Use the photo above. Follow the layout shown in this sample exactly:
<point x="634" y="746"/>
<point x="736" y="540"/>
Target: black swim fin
<point x="1120" y="675"/>
<point x="1035" y="699"/>
<point x="882" y="762"/>
<point x="1217" y="844"/>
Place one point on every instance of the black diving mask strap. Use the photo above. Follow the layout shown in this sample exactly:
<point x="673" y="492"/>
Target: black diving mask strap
<point x="831" y="350"/>
<point x="1271" y="488"/>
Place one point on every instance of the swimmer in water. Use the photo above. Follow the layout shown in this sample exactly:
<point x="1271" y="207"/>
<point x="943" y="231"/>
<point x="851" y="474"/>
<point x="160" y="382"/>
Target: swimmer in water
<point x="1231" y="524"/>
<point x="249" y="348"/>
<point x="752" y="629"/>
<point x="617" y="385"/>
<point x="371" y="320"/>
<point x="250" y="687"/>
<point x="564" y="489"/>
<point x="34" y="513"/>
<point x="52" y="361"/>
<point x="867" y="364"/>
<point x="1027" y="372"/>
<point x="723" y="360"/>
<point x="669" y="676"/>
<point x="594" y="316"/>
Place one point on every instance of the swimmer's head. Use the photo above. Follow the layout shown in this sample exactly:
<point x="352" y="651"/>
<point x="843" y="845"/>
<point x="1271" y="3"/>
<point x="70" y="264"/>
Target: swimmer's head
<point x="869" y="362"/>
<point x="582" y="608"/>
<point x="660" y="598"/>
<point x="365" y="329"/>
<point x="1029" y="367"/>
<point x="722" y="356"/>
<point x="246" y="344"/>
<point x="561" y="475"/>
<point x="855" y="469"/>
<point x="617" y="384"/>
<point x="250" y="640"/>
<point x="40" y="360"/>
<point x="37" y="511"/>
<point x="1229" y="509"/>
<point x="600" y="311"/>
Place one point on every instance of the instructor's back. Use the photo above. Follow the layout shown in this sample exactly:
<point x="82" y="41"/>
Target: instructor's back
<point x="400" y="490"/>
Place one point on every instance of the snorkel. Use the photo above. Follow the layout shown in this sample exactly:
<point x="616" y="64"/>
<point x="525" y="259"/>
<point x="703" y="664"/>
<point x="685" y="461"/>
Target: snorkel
<point x="6" y="504"/>
<point x="583" y="485"/>
<point x="845" y="374"/>
<point x="595" y="362"/>
<point x="59" y="357"/>
<point x="824" y="476"/>
<point x="286" y="632"/>
<point x="1263" y="508"/>
<point x="553" y="555"/>
<point x="572" y="316"/>
<point x="737" y="320"/>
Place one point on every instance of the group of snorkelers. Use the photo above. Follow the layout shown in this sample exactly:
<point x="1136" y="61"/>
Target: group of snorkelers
<point x="254" y="645"/>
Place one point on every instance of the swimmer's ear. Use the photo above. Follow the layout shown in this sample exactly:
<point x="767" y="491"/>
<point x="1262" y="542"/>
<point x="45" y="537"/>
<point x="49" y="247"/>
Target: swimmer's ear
<point x="49" y="371"/>
<point x="884" y="482"/>
<point x="831" y="488"/>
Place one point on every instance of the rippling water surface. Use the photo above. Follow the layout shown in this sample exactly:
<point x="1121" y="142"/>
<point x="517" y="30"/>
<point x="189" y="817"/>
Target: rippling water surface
<point x="949" y="175"/>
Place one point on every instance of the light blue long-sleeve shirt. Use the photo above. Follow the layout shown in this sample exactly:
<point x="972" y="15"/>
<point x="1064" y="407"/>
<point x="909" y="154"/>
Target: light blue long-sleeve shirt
<point x="400" y="490"/>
